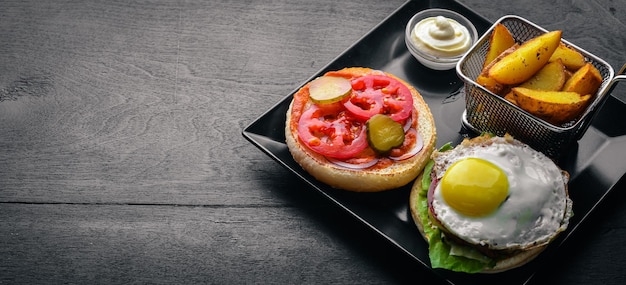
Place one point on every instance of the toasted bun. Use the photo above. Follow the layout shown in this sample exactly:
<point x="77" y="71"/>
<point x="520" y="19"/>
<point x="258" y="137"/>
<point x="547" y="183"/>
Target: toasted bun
<point x="520" y="257"/>
<point x="397" y="174"/>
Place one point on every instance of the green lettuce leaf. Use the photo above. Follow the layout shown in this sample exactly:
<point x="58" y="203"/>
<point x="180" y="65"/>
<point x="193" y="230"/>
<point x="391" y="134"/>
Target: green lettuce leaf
<point x="440" y="257"/>
<point x="439" y="251"/>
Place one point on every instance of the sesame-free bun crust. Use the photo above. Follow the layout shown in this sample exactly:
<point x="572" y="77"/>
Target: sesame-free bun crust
<point x="398" y="174"/>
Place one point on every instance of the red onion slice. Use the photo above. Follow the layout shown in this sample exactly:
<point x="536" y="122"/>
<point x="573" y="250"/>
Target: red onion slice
<point x="408" y="124"/>
<point x="431" y="191"/>
<point x="349" y="165"/>
<point x="417" y="147"/>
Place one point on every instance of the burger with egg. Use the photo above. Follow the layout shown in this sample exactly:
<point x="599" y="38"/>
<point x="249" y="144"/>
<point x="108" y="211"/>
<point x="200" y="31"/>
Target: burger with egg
<point x="489" y="204"/>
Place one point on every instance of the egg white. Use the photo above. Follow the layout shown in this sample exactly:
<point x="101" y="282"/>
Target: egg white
<point x="535" y="211"/>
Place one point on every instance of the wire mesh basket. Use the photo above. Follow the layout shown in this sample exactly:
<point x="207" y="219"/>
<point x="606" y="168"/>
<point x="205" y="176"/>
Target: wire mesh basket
<point x="488" y="112"/>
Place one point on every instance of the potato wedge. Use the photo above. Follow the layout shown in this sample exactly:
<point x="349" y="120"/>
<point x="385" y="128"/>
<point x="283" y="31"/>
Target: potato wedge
<point x="556" y="107"/>
<point x="489" y="83"/>
<point x="525" y="61"/>
<point x="586" y="80"/>
<point x="571" y="58"/>
<point x="550" y="78"/>
<point x="499" y="41"/>
<point x="510" y="97"/>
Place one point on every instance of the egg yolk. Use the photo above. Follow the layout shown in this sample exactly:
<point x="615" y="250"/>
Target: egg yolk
<point x="474" y="187"/>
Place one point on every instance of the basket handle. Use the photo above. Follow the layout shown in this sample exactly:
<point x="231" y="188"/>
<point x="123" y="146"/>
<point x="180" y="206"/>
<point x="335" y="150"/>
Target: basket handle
<point x="621" y="76"/>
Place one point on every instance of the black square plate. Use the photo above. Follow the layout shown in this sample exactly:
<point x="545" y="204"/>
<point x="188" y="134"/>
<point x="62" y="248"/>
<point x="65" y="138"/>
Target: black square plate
<point x="597" y="163"/>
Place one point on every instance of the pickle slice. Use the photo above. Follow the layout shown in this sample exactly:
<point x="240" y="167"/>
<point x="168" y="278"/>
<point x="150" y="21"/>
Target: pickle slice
<point x="383" y="133"/>
<point x="329" y="89"/>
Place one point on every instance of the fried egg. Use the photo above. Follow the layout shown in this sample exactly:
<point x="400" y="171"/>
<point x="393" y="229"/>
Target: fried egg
<point x="500" y="194"/>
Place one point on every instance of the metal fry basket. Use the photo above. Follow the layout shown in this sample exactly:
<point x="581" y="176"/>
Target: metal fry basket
<point x="488" y="112"/>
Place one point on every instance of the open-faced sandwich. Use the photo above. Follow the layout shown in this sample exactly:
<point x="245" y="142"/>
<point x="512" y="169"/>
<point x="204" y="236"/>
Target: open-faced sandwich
<point x="360" y="130"/>
<point x="489" y="204"/>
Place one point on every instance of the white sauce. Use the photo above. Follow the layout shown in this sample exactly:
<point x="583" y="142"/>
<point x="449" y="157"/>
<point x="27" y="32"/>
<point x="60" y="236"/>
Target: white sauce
<point x="441" y="37"/>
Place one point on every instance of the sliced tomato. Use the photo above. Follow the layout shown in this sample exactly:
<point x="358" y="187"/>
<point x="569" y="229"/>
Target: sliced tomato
<point x="330" y="131"/>
<point x="379" y="94"/>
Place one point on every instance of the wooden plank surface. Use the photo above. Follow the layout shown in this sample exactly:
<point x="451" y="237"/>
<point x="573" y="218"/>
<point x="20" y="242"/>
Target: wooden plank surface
<point x="122" y="160"/>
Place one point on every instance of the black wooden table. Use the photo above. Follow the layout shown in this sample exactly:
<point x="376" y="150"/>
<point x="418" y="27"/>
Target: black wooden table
<point x="122" y="159"/>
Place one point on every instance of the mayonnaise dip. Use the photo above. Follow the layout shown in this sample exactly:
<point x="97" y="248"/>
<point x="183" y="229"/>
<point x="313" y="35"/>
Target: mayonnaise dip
<point x="441" y="37"/>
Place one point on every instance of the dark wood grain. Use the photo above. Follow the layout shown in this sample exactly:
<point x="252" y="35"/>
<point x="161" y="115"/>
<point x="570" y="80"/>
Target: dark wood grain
<point x="122" y="160"/>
